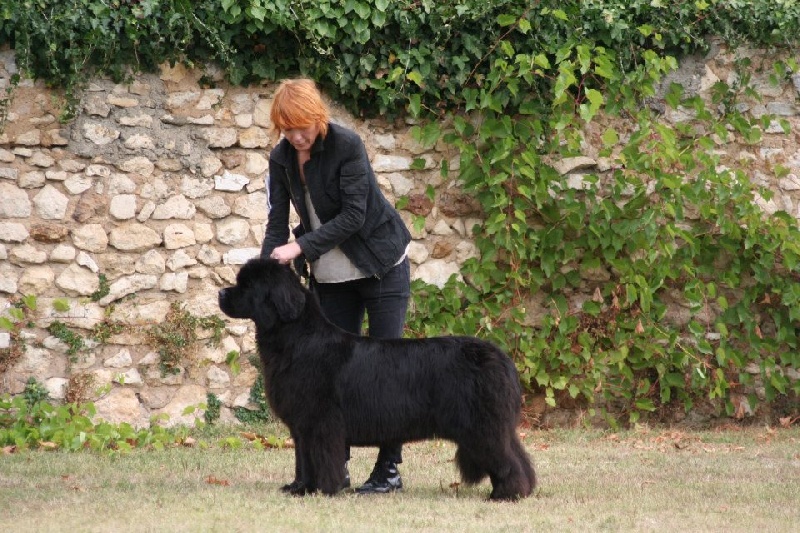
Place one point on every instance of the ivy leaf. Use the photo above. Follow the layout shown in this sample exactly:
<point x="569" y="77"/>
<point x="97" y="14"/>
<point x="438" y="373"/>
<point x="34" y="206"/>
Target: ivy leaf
<point x="445" y="168"/>
<point x="610" y="137"/>
<point x="61" y="305"/>
<point x="430" y="193"/>
<point x="418" y="164"/>
<point x="506" y="20"/>
<point x="645" y="404"/>
<point x="29" y="300"/>
<point x="603" y="66"/>
<point x="541" y="61"/>
<point x="419" y="223"/>
<point x="378" y="19"/>
<point x="258" y="12"/>
<point x="646" y="30"/>
<point x="674" y="95"/>
<point x="416" y="77"/>
<point x="427" y="135"/>
<point x="596" y="100"/>
<point x="566" y="79"/>
<point x="414" y="104"/>
<point x="362" y="10"/>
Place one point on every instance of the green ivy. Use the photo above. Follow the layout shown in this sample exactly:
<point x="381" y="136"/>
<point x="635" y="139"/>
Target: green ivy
<point x="104" y="287"/>
<point x="175" y="337"/>
<point x="213" y="406"/>
<point x="375" y="56"/>
<point x="61" y="331"/>
<point x="66" y="41"/>
<point x="30" y="422"/>
<point x="667" y="225"/>
<point x="258" y="397"/>
<point x="35" y="392"/>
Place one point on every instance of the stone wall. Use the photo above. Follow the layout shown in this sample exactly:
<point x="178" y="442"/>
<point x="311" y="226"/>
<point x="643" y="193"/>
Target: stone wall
<point x="157" y="185"/>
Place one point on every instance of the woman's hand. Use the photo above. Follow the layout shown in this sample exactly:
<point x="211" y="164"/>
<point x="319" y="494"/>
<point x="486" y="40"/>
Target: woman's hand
<point x="284" y="254"/>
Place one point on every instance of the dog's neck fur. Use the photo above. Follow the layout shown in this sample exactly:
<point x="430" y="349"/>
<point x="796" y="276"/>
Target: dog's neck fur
<point x="307" y="327"/>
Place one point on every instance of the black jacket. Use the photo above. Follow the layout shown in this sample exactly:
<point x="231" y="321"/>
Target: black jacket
<point x="354" y="213"/>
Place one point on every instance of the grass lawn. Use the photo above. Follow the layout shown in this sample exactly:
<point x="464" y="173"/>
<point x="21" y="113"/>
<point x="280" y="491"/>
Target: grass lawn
<point x="643" y="480"/>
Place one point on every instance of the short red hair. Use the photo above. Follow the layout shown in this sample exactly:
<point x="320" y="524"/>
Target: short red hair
<point x="297" y="103"/>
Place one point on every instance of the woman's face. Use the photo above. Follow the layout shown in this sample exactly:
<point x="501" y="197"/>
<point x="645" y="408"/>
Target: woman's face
<point x="302" y="138"/>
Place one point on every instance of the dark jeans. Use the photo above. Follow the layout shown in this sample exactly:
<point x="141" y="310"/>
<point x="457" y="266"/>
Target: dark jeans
<point x="385" y="302"/>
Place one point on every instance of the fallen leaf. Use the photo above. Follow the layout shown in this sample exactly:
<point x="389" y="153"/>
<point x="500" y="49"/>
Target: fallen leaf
<point x="211" y="480"/>
<point x="597" y="296"/>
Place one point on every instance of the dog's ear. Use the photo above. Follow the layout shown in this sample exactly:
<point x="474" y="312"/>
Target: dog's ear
<point x="289" y="299"/>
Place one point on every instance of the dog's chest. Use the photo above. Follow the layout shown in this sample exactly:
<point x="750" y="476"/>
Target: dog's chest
<point x="293" y="388"/>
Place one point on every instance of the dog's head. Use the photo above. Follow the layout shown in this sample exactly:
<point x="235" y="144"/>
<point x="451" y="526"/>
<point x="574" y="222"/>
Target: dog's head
<point x="266" y="292"/>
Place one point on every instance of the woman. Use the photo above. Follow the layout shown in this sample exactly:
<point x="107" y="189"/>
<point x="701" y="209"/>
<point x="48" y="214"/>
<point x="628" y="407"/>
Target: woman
<point x="353" y="238"/>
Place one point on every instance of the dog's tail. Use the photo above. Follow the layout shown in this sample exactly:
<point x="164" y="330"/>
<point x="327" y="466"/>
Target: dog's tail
<point x="526" y="466"/>
<point x="511" y="470"/>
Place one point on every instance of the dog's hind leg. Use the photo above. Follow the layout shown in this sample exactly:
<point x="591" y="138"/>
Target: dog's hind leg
<point x="470" y="465"/>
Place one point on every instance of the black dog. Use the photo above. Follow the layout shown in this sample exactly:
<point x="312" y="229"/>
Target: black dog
<point x="333" y="389"/>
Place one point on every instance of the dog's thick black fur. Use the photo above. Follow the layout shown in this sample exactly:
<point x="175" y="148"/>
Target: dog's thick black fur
<point x="333" y="389"/>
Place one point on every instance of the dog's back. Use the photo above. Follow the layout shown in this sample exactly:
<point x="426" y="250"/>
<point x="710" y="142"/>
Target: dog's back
<point x="442" y="372"/>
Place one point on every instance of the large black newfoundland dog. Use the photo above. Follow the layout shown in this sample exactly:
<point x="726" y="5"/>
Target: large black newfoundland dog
<point x="333" y="389"/>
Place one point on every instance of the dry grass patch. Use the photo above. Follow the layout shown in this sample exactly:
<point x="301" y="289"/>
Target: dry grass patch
<point x="644" y="480"/>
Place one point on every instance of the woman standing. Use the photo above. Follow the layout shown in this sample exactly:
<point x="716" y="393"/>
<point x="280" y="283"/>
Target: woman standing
<point x="353" y="238"/>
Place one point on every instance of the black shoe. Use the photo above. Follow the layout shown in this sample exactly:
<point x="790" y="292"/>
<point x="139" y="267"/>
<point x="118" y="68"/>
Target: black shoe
<point x="384" y="478"/>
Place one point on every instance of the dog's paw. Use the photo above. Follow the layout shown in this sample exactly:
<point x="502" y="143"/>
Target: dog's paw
<point x="297" y="488"/>
<point x="292" y="487"/>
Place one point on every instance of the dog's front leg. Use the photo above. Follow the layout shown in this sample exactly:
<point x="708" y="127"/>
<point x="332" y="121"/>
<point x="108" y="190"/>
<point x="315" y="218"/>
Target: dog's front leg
<point x="328" y="448"/>
<point x="303" y="471"/>
<point x="304" y="467"/>
<point x="297" y="483"/>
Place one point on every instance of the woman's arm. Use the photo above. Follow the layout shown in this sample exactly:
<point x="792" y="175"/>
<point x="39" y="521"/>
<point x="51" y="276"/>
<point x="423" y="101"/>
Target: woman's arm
<point x="352" y="178"/>
<point x="278" y="202"/>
